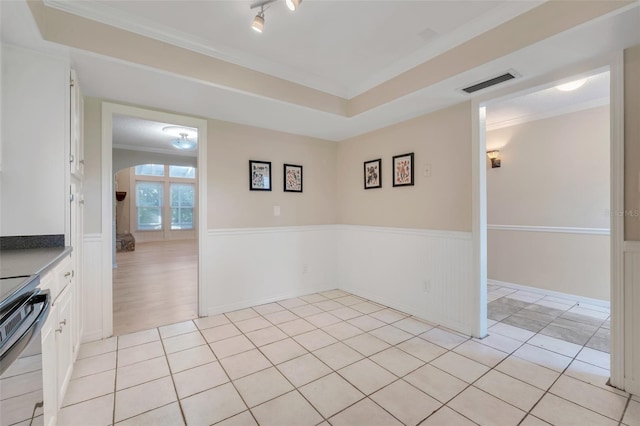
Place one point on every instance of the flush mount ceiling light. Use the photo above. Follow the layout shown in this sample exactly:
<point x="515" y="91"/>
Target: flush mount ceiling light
<point x="177" y="131"/>
<point x="183" y="143"/>
<point x="572" y="85"/>
<point x="258" y="22"/>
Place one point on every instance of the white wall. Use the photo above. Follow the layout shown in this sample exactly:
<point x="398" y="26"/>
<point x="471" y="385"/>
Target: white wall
<point x="554" y="177"/>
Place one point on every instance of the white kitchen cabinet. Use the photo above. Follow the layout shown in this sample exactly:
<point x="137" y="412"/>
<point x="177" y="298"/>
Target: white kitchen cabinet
<point x="76" y="147"/>
<point x="65" y="320"/>
<point x="34" y="132"/>
<point x="59" y="340"/>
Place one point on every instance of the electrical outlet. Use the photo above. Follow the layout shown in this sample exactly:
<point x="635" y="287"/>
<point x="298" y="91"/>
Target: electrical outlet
<point x="276" y="210"/>
<point x="305" y="268"/>
<point x="427" y="286"/>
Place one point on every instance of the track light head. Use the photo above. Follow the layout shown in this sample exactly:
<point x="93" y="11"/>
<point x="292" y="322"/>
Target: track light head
<point x="258" y="22"/>
<point x="293" y="4"/>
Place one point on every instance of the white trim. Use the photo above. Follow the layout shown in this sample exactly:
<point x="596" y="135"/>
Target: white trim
<point x="545" y="292"/>
<point x="268" y="230"/>
<point x="155" y="150"/>
<point x="631" y="247"/>
<point x="108" y="197"/>
<point x="108" y="228"/>
<point x="96" y="238"/>
<point x="554" y="229"/>
<point x="256" y="302"/>
<point x="314" y="228"/>
<point x="618" y="330"/>
<point x="479" y="215"/>
<point x="432" y="233"/>
<point x="594" y="103"/>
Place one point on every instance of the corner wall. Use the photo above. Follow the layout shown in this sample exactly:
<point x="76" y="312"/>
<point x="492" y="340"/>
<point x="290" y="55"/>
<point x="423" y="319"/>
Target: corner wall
<point x="410" y="247"/>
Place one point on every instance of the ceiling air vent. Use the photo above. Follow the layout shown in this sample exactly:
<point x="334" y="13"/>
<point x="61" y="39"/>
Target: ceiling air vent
<point x="491" y="82"/>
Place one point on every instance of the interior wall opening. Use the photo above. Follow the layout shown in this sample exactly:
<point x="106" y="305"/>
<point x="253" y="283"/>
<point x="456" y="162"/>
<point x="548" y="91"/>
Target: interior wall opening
<point x="548" y="238"/>
<point x="155" y="279"/>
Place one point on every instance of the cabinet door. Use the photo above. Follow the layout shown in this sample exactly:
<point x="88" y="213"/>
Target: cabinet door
<point x="64" y="339"/>
<point x="76" y="150"/>
<point x="49" y="368"/>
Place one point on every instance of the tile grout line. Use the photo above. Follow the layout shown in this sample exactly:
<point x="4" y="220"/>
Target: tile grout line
<point x="385" y="324"/>
<point x="173" y="382"/>
<point x="624" y="411"/>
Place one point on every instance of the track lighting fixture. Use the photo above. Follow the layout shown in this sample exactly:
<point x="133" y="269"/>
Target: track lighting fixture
<point x="293" y="4"/>
<point x="258" y="21"/>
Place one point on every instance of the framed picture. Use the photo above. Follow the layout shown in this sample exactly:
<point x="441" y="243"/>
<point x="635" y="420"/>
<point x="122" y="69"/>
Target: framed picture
<point x="292" y="178"/>
<point x="259" y="175"/>
<point x="373" y="174"/>
<point x="403" y="170"/>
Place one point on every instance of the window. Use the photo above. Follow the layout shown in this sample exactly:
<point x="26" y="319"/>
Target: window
<point x="149" y="196"/>
<point x="182" y="172"/>
<point x="155" y="183"/>
<point x="150" y="170"/>
<point x="182" y="202"/>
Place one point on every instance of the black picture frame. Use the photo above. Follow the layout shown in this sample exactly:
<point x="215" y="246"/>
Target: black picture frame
<point x="403" y="170"/>
<point x="259" y="175"/>
<point x="292" y="178"/>
<point x="373" y="174"/>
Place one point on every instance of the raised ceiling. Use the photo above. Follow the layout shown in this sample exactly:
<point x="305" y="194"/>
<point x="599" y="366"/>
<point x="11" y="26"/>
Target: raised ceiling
<point x="332" y="70"/>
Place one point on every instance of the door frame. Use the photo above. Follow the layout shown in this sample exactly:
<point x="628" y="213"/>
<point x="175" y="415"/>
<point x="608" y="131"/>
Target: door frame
<point x="615" y="64"/>
<point x="108" y="199"/>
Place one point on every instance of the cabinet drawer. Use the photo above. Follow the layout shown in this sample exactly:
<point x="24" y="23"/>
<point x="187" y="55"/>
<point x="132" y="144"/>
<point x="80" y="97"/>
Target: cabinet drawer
<point x="64" y="274"/>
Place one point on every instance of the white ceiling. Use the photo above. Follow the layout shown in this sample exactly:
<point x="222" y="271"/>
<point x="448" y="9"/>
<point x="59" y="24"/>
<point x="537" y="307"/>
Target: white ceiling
<point x="549" y="102"/>
<point x="341" y="47"/>
<point x="145" y="135"/>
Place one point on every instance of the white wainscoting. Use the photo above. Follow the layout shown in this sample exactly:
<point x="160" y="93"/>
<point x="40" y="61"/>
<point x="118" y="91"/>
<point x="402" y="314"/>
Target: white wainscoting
<point x="422" y="272"/>
<point x="252" y="266"/>
<point x="632" y="316"/>
<point x="552" y="229"/>
<point x="92" y="281"/>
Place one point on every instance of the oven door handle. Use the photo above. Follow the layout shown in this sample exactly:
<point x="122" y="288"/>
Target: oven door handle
<point x="41" y="302"/>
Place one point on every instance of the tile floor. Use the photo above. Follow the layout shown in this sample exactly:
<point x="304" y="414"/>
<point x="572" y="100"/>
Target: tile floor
<point x="336" y="359"/>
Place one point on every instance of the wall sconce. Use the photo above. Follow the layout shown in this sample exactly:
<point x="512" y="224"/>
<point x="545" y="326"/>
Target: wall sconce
<point x="494" y="156"/>
<point x="120" y="195"/>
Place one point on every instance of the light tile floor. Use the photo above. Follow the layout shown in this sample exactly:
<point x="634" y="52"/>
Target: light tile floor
<point x="336" y="359"/>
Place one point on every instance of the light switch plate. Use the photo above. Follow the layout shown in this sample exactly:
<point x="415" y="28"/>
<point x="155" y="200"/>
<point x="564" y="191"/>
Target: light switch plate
<point x="276" y="210"/>
<point x="427" y="169"/>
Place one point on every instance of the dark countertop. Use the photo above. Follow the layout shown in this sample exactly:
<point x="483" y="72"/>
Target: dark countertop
<point x="14" y="263"/>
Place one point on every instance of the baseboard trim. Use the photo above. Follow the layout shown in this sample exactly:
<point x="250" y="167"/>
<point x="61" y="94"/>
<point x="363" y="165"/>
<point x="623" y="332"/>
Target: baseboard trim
<point x="406" y="309"/>
<point x="214" y="310"/>
<point x="544" y="292"/>
<point x="91" y="336"/>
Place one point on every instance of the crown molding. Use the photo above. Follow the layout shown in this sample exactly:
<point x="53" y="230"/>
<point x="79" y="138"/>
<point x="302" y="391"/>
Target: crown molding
<point x="548" y="114"/>
<point x="193" y="153"/>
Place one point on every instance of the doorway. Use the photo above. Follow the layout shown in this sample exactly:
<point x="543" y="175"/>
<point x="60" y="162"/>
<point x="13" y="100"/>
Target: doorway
<point x="613" y="65"/>
<point x="548" y="194"/>
<point x="155" y="282"/>
<point x="112" y="160"/>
